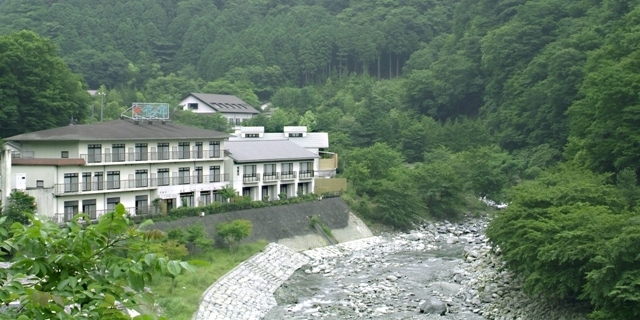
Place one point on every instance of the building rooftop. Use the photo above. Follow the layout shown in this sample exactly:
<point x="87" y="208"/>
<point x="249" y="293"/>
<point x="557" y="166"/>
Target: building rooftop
<point x="312" y="140"/>
<point x="260" y="150"/>
<point x="225" y="103"/>
<point x="119" y="130"/>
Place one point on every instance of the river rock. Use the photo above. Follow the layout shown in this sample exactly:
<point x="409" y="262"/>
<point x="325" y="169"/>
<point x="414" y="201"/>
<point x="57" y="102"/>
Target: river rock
<point x="445" y="288"/>
<point x="452" y="240"/>
<point x="433" y="306"/>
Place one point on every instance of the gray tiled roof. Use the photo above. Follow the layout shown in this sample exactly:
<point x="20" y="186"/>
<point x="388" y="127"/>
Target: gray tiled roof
<point x="225" y="103"/>
<point x="249" y="150"/>
<point x="120" y="130"/>
<point x="312" y="140"/>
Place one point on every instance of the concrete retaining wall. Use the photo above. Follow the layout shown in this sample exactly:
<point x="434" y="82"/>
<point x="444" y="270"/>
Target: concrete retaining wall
<point x="275" y="223"/>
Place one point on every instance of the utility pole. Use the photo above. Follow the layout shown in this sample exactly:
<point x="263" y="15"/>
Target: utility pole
<point x="102" y="94"/>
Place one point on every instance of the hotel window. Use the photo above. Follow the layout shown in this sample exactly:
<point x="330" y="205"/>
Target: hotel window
<point x="250" y="171"/>
<point x="142" y="178"/>
<point x="197" y="152"/>
<point x="287" y="168"/>
<point x="95" y="153"/>
<point x="217" y="197"/>
<point x="117" y="152"/>
<point x="270" y="171"/>
<point x="163" y="151"/>
<point x="214" y="174"/>
<point x="183" y="175"/>
<point x="89" y="207"/>
<point x="163" y="177"/>
<point x="199" y="175"/>
<point x="214" y="149"/>
<point x="111" y="203"/>
<point x="98" y="181"/>
<point x="70" y="209"/>
<point x="205" y="197"/>
<point x="142" y="152"/>
<point x="187" y="199"/>
<point x="70" y="182"/>
<point x="306" y="166"/>
<point x="142" y="204"/>
<point x="183" y="150"/>
<point x="113" y="179"/>
<point x="86" y="181"/>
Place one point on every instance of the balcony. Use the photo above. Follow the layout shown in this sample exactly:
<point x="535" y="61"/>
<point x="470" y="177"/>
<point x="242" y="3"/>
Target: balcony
<point x="250" y="178"/>
<point x="122" y="157"/>
<point x="23" y="154"/>
<point x="270" y="177"/>
<point x="308" y="174"/>
<point x="133" y="184"/>
<point x="95" y="214"/>
<point x="288" y="175"/>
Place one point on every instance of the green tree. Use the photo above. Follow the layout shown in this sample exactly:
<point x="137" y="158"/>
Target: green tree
<point x="37" y="89"/>
<point x="19" y="206"/>
<point x="233" y="232"/>
<point x="81" y="270"/>
<point x="308" y="120"/>
<point x="398" y="203"/>
<point x="440" y="186"/>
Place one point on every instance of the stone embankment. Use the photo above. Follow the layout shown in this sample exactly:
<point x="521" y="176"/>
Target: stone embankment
<point x="438" y="271"/>
<point x="246" y="292"/>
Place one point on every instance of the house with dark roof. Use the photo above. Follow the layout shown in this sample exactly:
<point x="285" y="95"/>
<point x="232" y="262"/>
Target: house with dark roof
<point x="148" y="166"/>
<point x="266" y="169"/>
<point x="231" y="107"/>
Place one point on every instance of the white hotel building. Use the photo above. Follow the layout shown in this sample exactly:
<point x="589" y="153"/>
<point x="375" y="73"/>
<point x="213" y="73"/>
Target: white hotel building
<point x="148" y="166"/>
<point x="90" y="168"/>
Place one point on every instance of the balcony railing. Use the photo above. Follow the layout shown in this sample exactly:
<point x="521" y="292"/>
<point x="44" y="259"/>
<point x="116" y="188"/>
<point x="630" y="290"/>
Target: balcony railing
<point x="273" y="176"/>
<point x="288" y="175"/>
<point x="23" y="154"/>
<point x="306" y="174"/>
<point x="114" y="185"/>
<point x="95" y="214"/>
<point x="114" y="157"/>
<point x="251" y="177"/>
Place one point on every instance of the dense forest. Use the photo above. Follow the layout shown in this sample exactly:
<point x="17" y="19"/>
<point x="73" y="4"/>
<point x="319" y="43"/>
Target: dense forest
<point x="430" y="104"/>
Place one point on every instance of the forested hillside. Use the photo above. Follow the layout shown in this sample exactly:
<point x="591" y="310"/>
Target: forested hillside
<point x="430" y="104"/>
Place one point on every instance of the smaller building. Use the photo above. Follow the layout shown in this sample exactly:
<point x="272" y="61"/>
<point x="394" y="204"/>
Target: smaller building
<point x="264" y="170"/>
<point x="231" y="107"/>
<point x="326" y="163"/>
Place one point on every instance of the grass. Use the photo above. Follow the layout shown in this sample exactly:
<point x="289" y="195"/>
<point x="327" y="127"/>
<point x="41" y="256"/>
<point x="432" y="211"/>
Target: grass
<point x="183" y="300"/>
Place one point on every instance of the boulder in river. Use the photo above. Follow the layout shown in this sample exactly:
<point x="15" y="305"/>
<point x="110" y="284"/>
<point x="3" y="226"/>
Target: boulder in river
<point x="433" y="306"/>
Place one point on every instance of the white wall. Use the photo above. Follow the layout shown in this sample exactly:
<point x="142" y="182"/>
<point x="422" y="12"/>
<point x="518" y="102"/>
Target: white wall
<point x="45" y="173"/>
<point x="51" y="149"/>
<point x="202" y="107"/>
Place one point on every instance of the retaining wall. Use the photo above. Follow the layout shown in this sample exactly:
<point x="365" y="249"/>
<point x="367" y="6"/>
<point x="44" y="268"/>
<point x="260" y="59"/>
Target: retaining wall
<point x="274" y="223"/>
<point x="246" y="292"/>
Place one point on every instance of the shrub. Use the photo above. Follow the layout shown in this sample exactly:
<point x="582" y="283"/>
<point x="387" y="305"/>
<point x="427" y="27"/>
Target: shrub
<point x="234" y="231"/>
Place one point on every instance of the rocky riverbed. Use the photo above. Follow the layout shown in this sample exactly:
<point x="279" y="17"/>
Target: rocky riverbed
<point x="438" y="271"/>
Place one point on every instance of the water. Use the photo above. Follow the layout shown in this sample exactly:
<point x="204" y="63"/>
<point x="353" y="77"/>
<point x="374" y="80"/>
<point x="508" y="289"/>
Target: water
<point x="372" y="284"/>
